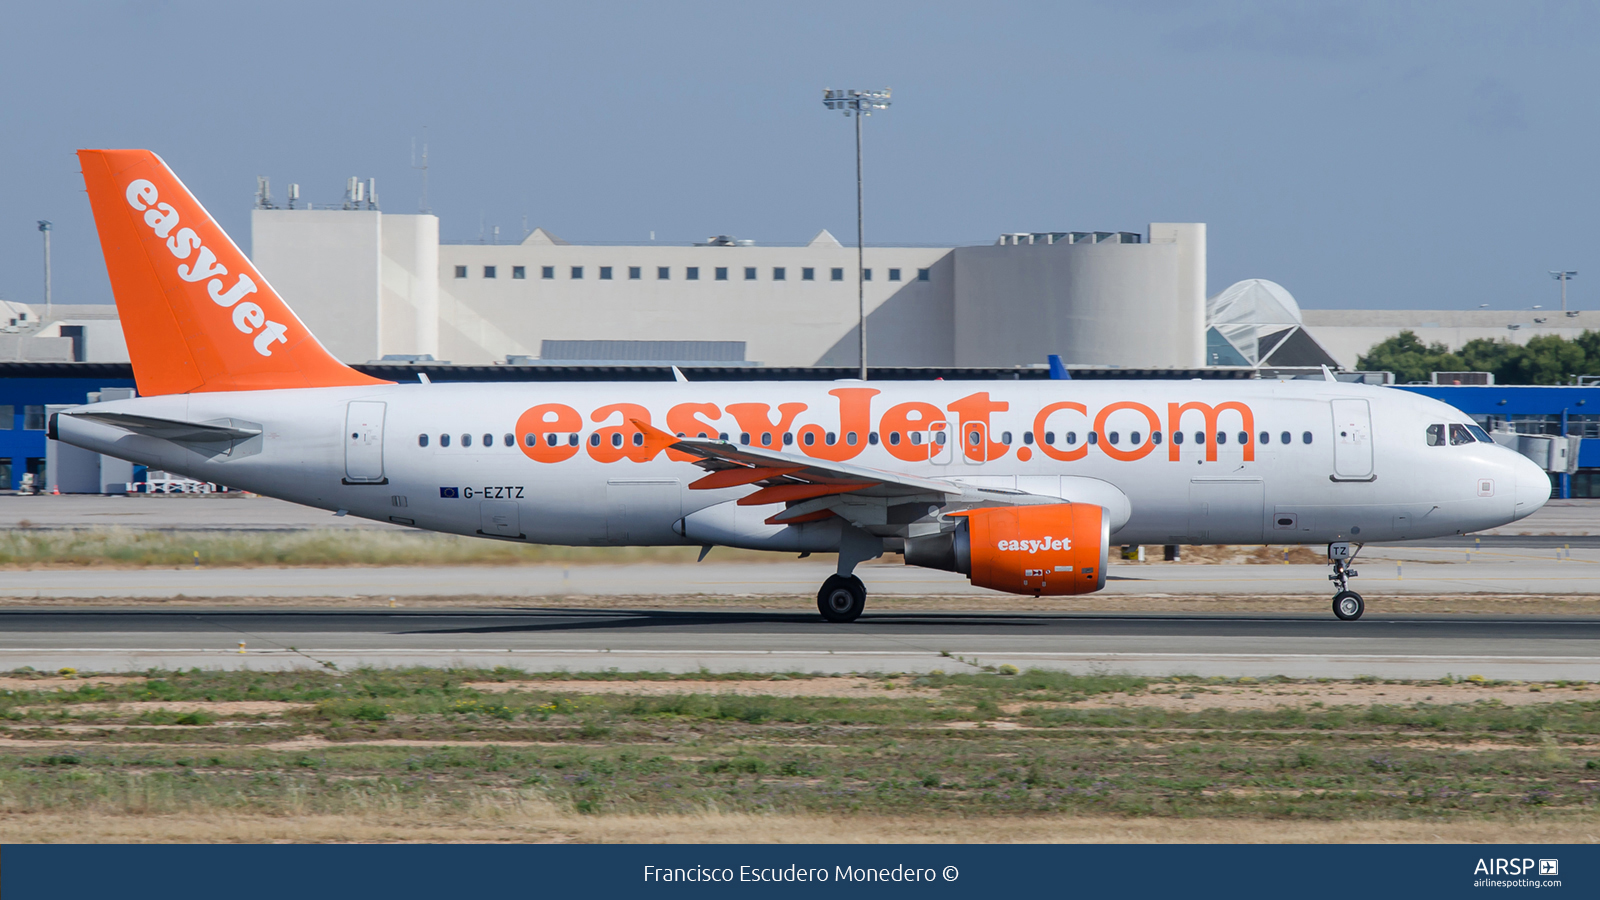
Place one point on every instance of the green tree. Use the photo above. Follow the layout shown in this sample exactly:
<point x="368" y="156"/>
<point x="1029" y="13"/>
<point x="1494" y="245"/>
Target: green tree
<point x="1546" y="359"/>
<point x="1409" y="358"/>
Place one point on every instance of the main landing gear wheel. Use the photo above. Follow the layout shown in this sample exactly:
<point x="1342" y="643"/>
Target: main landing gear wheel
<point x="842" y="598"/>
<point x="1348" y="605"/>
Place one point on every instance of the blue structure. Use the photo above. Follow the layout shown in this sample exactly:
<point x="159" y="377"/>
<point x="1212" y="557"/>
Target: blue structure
<point x="25" y="390"/>
<point x="1535" y="409"/>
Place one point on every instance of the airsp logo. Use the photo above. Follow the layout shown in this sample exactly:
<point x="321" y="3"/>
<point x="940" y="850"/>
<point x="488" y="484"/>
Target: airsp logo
<point x="1500" y="866"/>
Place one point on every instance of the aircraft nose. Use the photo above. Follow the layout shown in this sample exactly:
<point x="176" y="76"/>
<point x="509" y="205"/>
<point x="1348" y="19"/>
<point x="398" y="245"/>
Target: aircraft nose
<point x="1533" y="486"/>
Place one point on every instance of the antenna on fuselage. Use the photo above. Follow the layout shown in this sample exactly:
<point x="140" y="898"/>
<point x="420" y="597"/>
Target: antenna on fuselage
<point x="677" y="375"/>
<point x="1327" y="374"/>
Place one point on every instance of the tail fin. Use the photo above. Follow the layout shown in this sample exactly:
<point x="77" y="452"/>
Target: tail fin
<point x="197" y="315"/>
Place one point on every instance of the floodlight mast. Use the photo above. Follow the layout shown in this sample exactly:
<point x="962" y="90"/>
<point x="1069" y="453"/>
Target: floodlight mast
<point x="858" y="103"/>
<point x="1563" y="277"/>
<point x="45" y="228"/>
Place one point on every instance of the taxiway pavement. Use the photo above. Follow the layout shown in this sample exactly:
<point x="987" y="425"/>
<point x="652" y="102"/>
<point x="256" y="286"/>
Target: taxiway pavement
<point x="552" y="639"/>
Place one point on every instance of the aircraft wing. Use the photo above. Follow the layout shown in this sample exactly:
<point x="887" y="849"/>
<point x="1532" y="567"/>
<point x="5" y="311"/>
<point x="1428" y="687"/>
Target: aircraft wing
<point x="172" y="429"/>
<point x="815" y="489"/>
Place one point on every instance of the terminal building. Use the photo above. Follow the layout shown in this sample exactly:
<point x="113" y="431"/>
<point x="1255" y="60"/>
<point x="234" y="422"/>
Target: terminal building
<point x="373" y="285"/>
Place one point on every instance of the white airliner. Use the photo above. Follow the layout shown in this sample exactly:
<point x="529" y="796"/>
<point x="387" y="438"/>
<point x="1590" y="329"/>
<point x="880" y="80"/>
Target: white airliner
<point x="1020" y="485"/>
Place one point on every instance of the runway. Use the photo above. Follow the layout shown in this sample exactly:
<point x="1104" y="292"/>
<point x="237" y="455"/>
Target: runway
<point x="551" y="639"/>
<point x="1384" y="572"/>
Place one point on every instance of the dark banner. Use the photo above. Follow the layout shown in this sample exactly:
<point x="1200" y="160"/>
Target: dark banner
<point x="396" y="872"/>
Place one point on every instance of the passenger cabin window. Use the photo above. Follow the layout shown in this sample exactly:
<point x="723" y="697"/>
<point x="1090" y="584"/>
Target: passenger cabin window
<point x="1305" y="437"/>
<point x="466" y="440"/>
<point x="1287" y="438"/>
<point x="444" y="440"/>
<point x="1435" y="435"/>
<point x="1460" y="435"/>
<point x="422" y="440"/>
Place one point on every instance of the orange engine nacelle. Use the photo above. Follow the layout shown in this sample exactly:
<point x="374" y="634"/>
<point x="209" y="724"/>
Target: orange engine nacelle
<point x="1058" y="548"/>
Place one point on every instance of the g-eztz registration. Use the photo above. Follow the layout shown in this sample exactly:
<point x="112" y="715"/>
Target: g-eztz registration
<point x="498" y="492"/>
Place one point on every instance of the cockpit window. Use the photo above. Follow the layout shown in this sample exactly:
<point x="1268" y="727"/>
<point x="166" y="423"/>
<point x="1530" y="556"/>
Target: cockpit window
<point x="1435" y="435"/>
<point x="1480" y="434"/>
<point x="1460" y="435"/>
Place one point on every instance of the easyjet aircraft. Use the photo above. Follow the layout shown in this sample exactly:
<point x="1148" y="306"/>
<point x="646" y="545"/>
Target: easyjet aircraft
<point x="1020" y="485"/>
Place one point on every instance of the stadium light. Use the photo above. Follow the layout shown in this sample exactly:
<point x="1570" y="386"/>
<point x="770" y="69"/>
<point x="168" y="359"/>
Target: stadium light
<point x="1564" y="277"/>
<point x="858" y="104"/>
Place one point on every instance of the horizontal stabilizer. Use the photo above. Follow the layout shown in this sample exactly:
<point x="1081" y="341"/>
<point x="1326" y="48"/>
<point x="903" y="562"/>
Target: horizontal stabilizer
<point x="171" y="429"/>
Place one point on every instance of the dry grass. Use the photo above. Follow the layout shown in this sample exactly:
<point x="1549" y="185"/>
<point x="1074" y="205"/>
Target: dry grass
<point x="133" y="548"/>
<point x="501" y="755"/>
<point x="543" y="823"/>
<point x="126" y="548"/>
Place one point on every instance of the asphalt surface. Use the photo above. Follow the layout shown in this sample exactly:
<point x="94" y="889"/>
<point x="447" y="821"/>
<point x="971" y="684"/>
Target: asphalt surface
<point x="549" y="639"/>
<point x="1417" y="572"/>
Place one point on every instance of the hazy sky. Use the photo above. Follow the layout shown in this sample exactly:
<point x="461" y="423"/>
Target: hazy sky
<point x="1361" y="154"/>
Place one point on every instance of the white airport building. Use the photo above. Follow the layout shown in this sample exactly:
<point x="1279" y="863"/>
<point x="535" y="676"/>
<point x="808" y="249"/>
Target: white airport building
<point x="372" y="284"/>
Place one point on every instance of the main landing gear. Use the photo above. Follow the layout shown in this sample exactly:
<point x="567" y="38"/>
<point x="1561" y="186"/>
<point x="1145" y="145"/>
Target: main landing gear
<point x="1347" y="604"/>
<point x="842" y="598"/>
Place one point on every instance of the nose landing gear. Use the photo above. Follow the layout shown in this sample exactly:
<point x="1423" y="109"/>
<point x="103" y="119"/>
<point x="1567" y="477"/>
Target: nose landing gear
<point x="1347" y="604"/>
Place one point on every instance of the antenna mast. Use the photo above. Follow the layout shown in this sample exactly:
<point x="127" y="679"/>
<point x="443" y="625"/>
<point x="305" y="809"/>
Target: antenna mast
<point x="423" y="208"/>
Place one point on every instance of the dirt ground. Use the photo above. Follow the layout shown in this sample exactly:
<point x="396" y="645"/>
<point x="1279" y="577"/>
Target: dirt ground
<point x="1181" y="696"/>
<point x="541" y="823"/>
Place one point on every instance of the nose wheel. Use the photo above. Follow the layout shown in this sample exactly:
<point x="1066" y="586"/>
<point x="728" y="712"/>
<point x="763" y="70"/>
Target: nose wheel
<point x="842" y="598"/>
<point x="1347" y="604"/>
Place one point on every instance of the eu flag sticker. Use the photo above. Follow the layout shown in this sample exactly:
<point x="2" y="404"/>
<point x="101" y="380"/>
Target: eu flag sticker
<point x="449" y="493"/>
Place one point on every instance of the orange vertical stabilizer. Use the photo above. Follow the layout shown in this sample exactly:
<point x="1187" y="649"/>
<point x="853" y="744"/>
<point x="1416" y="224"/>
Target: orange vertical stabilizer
<point x="196" y="314"/>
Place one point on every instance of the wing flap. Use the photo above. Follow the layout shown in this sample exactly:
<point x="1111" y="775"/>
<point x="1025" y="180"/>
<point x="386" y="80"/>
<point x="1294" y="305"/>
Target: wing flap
<point x="754" y="465"/>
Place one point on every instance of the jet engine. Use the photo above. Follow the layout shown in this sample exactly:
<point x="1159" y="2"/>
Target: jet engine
<point x="1056" y="548"/>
